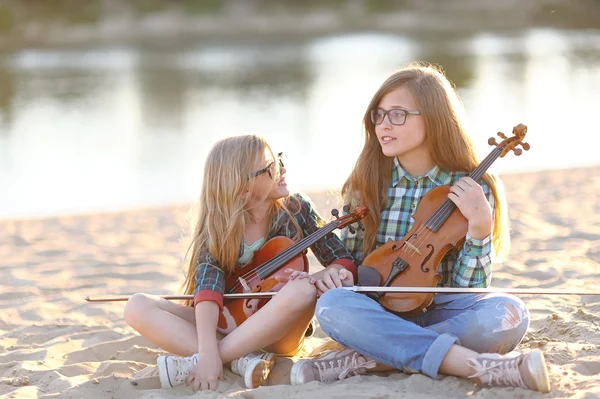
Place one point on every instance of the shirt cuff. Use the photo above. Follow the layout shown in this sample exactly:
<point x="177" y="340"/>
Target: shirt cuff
<point x="348" y="265"/>
<point x="475" y="247"/>
<point x="209" y="295"/>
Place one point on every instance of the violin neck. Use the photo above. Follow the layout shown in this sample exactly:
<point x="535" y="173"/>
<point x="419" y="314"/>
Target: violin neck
<point x="438" y="218"/>
<point x="284" y="257"/>
<point x="486" y="163"/>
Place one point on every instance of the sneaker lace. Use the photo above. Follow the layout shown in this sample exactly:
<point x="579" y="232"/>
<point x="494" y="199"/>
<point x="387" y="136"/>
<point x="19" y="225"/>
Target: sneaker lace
<point x="182" y="366"/>
<point x="500" y="372"/>
<point x="331" y="370"/>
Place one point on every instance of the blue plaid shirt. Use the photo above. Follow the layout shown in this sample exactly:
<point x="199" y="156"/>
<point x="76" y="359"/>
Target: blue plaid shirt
<point x="471" y="266"/>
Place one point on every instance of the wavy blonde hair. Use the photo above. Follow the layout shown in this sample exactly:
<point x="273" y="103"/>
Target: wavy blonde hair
<point x="220" y="214"/>
<point x="448" y="143"/>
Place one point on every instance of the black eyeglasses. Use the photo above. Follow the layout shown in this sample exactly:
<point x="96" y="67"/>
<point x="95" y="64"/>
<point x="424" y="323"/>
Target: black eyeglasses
<point x="395" y="116"/>
<point x="280" y="157"/>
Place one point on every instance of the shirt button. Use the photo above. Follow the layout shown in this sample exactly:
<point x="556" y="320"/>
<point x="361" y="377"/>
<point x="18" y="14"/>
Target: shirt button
<point x="412" y="206"/>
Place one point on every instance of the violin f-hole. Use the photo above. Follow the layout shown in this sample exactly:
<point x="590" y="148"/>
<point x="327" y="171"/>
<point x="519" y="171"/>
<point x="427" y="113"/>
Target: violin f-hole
<point x="423" y="268"/>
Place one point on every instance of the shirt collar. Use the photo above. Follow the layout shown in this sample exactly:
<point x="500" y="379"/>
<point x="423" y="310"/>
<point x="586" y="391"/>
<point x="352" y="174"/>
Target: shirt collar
<point x="436" y="175"/>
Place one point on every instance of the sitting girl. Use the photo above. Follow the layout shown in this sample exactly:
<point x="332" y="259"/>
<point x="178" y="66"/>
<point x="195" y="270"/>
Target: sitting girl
<point x="414" y="142"/>
<point x="244" y="202"/>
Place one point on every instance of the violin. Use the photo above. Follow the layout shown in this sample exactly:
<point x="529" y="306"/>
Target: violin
<point x="438" y="227"/>
<point x="270" y="261"/>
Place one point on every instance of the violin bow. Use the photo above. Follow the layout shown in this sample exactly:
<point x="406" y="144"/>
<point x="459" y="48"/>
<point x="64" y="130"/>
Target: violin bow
<point x="434" y="290"/>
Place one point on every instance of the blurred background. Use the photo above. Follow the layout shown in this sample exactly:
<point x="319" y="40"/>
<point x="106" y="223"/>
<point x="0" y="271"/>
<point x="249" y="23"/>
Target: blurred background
<point x="114" y="104"/>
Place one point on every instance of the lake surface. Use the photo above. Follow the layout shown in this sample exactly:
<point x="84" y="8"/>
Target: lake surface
<point x="106" y="128"/>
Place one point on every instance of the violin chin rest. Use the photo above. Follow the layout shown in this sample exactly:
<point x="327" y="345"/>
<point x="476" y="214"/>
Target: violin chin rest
<point x="369" y="277"/>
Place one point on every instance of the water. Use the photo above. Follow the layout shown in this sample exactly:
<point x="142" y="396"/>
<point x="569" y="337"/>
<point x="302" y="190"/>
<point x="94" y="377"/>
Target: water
<point x="106" y="128"/>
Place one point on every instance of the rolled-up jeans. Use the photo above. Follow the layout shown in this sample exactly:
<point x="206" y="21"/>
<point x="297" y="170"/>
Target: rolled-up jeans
<point x="484" y="323"/>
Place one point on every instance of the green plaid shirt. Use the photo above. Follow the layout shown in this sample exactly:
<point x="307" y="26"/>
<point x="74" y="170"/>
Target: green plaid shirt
<point x="471" y="266"/>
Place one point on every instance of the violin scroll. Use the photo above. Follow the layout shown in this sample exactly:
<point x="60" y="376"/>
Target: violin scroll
<point x="511" y="143"/>
<point x="352" y="217"/>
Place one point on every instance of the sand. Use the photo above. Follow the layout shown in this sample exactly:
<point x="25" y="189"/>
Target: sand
<point x="55" y="345"/>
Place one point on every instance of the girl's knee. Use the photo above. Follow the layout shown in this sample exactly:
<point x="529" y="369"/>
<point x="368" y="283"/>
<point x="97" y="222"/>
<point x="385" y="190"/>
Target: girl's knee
<point x="332" y="298"/>
<point x="135" y="307"/>
<point x="299" y="294"/>
<point x="509" y="319"/>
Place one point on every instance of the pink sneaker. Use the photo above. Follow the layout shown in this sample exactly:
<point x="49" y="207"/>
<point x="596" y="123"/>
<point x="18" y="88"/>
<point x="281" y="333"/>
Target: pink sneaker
<point x="527" y="371"/>
<point x="331" y="366"/>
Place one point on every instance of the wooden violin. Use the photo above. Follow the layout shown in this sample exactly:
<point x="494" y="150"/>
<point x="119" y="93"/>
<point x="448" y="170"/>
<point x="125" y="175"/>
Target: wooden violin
<point x="438" y="227"/>
<point x="270" y="261"/>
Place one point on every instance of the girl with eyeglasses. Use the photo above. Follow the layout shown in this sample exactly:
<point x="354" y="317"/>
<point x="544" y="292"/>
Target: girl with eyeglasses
<point x="415" y="141"/>
<point x="244" y="202"/>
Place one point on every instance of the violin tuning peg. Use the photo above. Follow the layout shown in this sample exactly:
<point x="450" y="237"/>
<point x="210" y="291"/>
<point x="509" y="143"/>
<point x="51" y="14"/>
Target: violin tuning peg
<point x="517" y="151"/>
<point x="501" y="135"/>
<point x="335" y="213"/>
<point x="492" y="141"/>
<point x="525" y="146"/>
<point x="351" y="229"/>
<point x="361" y="226"/>
<point x="346" y="208"/>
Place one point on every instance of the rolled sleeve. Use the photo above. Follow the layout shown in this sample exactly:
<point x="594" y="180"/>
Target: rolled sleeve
<point x="475" y="247"/>
<point x="209" y="284"/>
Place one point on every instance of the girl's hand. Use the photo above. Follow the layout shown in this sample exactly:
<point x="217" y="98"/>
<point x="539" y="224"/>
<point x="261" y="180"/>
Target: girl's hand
<point x="207" y="372"/>
<point x="292" y="274"/>
<point x="333" y="278"/>
<point x="470" y="199"/>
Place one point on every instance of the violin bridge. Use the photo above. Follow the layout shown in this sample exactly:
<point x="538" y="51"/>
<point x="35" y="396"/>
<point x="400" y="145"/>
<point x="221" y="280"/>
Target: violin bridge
<point x="412" y="247"/>
<point x="244" y="284"/>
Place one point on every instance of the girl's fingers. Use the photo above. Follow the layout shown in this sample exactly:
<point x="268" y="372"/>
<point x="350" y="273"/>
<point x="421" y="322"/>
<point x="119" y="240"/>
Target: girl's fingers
<point x="328" y="280"/>
<point x="335" y="277"/>
<point x="345" y="275"/>
<point x="212" y="384"/>
<point x="321" y="286"/>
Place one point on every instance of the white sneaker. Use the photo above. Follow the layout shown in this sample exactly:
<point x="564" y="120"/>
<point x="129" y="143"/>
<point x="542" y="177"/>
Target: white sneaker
<point x="527" y="371"/>
<point x="255" y="368"/>
<point x="331" y="366"/>
<point x="173" y="370"/>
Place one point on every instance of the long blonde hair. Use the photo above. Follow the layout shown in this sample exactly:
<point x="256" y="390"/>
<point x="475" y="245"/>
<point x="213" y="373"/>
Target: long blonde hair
<point x="221" y="210"/>
<point x="449" y="146"/>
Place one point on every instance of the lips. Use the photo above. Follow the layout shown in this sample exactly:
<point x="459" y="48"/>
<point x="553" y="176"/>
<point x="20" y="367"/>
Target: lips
<point x="386" y="139"/>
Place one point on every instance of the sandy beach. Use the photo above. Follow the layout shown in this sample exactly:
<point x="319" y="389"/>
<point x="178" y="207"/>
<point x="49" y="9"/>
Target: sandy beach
<point x="55" y="345"/>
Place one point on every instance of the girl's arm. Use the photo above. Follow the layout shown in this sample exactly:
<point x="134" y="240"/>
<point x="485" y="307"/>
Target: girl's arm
<point x="208" y="301"/>
<point x="473" y="266"/>
<point x="206" y="373"/>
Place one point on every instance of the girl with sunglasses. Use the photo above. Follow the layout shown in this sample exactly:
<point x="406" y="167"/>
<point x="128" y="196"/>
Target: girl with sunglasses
<point x="244" y="202"/>
<point x="415" y="141"/>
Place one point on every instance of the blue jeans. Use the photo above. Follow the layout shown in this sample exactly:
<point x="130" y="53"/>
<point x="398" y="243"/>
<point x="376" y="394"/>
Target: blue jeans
<point x="482" y="322"/>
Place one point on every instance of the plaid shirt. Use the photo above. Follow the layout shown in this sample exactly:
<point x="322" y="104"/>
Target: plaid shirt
<point x="471" y="266"/>
<point x="210" y="278"/>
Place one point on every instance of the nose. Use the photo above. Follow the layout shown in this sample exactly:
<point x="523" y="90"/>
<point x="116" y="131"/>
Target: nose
<point x="386" y="123"/>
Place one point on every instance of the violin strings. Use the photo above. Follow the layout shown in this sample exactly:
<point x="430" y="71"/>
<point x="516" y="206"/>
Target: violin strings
<point x="447" y="207"/>
<point x="328" y="228"/>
